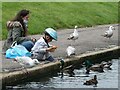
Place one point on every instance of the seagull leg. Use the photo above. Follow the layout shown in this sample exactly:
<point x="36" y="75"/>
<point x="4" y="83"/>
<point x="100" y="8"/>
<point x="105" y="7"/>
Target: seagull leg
<point x="23" y="68"/>
<point x="74" y="43"/>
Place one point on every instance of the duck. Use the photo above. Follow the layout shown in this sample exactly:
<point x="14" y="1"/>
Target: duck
<point x="93" y="81"/>
<point x="87" y="64"/>
<point x="69" y="70"/>
<point x="97" y="67"/>
<point x="107" y="64"/>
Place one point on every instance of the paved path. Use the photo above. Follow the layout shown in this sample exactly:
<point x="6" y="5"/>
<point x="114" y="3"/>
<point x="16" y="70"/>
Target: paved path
<point x="90" y="40"/>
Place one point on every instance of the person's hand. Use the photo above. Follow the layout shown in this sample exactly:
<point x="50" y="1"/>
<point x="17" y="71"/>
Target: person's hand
<point x="33" y="39"/>
<point x="52" y="48"/>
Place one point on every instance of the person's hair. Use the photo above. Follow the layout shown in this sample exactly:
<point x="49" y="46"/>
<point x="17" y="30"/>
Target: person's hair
<point x="20" y="15"/>
<point x="47" y="34"/>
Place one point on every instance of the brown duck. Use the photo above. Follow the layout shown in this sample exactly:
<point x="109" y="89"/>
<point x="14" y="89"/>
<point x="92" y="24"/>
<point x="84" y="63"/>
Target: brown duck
<point x="92" y="81"/>
<point x="69" y="70"/>
<point x="98" y="68"/>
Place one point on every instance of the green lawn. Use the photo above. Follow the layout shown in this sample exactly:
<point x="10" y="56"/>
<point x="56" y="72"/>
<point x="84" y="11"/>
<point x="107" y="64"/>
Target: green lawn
<point x="61" y="14"/>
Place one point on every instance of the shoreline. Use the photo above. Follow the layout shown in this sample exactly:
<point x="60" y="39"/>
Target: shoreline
<point x="41" y="70"/>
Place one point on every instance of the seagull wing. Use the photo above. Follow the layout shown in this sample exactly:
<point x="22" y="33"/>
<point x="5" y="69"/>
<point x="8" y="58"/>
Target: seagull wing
<point x="70" y="37"/>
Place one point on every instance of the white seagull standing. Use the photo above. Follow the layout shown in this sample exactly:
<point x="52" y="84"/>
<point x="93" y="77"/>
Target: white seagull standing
<point x="70" y="51"/>
<point x="109" y="33"/>
<point x="26" y="61"/>
<point x="74" y="35"/>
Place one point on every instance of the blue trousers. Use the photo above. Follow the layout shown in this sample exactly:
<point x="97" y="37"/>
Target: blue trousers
<point x="50" y="58"/>
<point x="28" y="45"/>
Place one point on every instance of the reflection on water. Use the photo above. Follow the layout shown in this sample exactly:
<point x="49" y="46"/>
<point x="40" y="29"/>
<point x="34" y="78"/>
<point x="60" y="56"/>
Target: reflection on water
<point x="108" y="79"/>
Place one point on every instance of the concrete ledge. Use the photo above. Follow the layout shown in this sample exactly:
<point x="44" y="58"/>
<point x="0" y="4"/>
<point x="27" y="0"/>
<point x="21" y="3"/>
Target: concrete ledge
<point x="42" y="70"/>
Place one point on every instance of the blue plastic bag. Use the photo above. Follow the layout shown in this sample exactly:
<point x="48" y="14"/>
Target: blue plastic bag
<point x="17" y="50"/>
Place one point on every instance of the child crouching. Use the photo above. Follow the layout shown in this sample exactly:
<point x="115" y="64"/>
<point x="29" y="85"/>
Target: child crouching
<point x="41" y="50"/>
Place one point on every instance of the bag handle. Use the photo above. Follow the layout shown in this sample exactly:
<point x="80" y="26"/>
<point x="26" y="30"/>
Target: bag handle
<point x="14" y="44"/>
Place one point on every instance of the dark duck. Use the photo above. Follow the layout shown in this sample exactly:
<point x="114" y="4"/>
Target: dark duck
<point x="69" y="70"/>
<point x="92" y="81"/>
<point x="107" y="64"/>
<point x="97" y="67"/>
<point x="87" y="64"/>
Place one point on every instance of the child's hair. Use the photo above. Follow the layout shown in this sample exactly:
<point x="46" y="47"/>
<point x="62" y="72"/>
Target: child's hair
<point x="47" y="34"/>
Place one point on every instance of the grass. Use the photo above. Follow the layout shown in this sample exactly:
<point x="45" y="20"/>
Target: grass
<point x="61" y="15"/>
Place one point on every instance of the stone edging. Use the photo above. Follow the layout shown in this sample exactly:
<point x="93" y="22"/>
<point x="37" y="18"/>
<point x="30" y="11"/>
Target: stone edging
<point x="41" y="70"/>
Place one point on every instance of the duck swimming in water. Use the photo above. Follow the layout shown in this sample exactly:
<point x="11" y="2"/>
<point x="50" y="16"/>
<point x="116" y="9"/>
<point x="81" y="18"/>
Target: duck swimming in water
<point x="88" y="64"/>
<point x="69" y="70"/>
<point x="97" y="67"/>
<point x="92" y="81"/>
<point x="107" y="64"/>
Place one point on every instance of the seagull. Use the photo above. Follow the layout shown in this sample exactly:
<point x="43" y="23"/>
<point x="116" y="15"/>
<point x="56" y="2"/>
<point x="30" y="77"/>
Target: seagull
<point x="74" y="35"/>
<point x="70" y="50"/>
<point x="109" y="33"/>
<point x="26" y="61"/>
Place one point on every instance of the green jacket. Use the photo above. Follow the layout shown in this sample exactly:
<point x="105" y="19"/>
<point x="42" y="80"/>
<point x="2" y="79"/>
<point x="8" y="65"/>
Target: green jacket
<point x="15" y="33"/>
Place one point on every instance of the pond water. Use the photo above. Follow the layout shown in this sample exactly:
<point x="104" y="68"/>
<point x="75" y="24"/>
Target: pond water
<point x="107" y="79"/>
